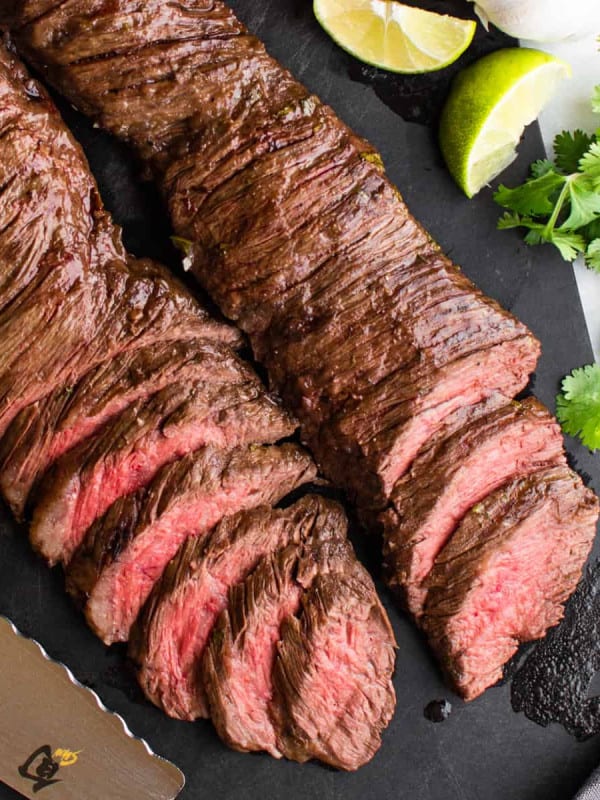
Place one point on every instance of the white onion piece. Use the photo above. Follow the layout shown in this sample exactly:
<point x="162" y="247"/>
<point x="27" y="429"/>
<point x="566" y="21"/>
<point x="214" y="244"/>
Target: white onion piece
<point x="541" y="20"/>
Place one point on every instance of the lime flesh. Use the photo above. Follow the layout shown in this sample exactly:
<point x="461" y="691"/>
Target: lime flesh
<point x="394" y="36"/>
<point x="489" y="105"/>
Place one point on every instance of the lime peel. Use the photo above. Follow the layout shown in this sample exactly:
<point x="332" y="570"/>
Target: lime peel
<point x="393" y="36"/>
<point x="490" y="104"/>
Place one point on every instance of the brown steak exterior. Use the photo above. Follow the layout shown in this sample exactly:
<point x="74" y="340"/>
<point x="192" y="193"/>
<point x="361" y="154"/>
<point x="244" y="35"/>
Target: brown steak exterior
<point x="370" y="333"/>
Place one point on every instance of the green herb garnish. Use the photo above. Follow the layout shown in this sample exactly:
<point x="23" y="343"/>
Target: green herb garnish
<point x="560" y="203"/>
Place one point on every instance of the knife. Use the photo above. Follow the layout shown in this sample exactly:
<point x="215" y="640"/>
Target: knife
<point x="59" y="742"/>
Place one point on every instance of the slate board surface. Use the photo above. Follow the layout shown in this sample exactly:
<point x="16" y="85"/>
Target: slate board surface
<point x="483" y="751"/>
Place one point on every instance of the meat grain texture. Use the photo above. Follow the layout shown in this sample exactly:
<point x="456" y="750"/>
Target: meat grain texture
<point x="130" y="425"/>
<point x="375" y="340"/>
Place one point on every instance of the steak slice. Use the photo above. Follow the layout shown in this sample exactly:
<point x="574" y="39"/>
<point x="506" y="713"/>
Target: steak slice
<point x="170" y="636"/>
<point x="454" y="474"/>
<point x="371" y="444"/>
<point x="239" y="658"/>
<point x="82" y="485"/>
<point x="333" y="673"/>
<point x="314" y="687"/>
<point x="125" y="552"/>
<point x="504" y="575"/>
<point x="45" y="430"/>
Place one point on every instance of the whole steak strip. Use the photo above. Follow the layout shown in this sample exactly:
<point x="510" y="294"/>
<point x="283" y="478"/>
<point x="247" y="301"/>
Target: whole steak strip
<point x="47" y="429"/>
<point x="170" y="636"/>
<point x="128" y="452"/>
<point x="503" y="577"/>
<point x="454" y="473"/>
<point x="370" y="333"/>
<point x="70" y="297"/>
<point x="126" y="551"/>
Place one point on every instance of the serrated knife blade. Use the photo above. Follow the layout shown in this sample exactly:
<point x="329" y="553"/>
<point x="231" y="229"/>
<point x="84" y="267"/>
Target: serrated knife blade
<point x="59" y="742"/>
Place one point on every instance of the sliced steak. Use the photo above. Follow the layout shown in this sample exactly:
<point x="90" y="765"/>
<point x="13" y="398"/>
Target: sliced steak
<point x="82" y="484"/>
<point x="371" y="335"/>
<point x="125" y="552"/>
<point x="457" y="472"/>
<point x="371" y="444"/>
<point x="503" y="577"/>
<point x="170" y="636"/>
<point x="317" y="686"/>
<point x="70" y="297"/>
<point x="44" y="431"/>
<point x="333" y="673"/>
<point x="239" y="658"/>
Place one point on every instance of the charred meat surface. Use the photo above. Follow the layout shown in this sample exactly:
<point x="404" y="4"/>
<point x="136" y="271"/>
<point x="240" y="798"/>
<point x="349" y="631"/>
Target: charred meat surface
<point x="45" y="430"/>
<point x="505" y="574"/>
<point x="372" y="336"/>
<point x="170" y="636"/>
<point x="70" y="297"/>
<point x="126" y="551"/>
<point x="454" y="473"/>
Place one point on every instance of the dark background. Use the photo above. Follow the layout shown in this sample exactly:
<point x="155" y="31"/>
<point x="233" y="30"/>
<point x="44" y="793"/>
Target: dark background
<point x="483" y="751"/>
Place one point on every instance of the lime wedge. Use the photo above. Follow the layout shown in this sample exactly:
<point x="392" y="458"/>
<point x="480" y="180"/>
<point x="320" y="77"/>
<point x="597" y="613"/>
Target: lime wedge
<point x="394" y="36"/>
<point x="489" y="105"/>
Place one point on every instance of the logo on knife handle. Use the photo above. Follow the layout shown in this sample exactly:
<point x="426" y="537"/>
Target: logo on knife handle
<point x="43" y="764"/>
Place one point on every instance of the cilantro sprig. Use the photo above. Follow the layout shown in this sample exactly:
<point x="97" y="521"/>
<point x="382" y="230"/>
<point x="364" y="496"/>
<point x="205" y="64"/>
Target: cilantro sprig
<point x="560" y="202"/>
<point x="578" y="405"/>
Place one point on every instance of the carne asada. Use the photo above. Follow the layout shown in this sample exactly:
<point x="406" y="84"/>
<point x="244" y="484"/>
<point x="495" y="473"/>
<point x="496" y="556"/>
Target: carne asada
<point x="169" y="638"/>
<point x="504" y="575"/>
<point x="453" y="474"/>
<point x="303" y="688"/>
<point x="371" y="335"/>
<point x="125" y="552"/>
<point x="373" y="338"/>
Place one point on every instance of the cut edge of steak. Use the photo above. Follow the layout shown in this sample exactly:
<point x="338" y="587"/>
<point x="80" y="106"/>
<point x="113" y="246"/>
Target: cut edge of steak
<point x="170" y="636"/>
<point x="44" y="431"/>
<point x="126" y="551"/>
<point x="394" y="428"/>
<point x="503" y="577"/>
<point x="152" y="432"/>
<point x="333" y="673"/>
<point x="449" y="478"/>
<point x="239" y="658"/>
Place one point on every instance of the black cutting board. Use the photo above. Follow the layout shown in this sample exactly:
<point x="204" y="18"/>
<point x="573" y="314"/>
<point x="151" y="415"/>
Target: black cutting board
<point x="483" y="751"/>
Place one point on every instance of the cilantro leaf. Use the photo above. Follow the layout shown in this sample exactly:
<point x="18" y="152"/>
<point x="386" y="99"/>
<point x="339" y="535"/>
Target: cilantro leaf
<point x="537" y="196"/>
<point x="508" y="220"/>
<point x="596" y="100"/>
<point x="578" y="405"/>
<point x="585" y="203"/>
<point x="570" y="245"/>
<point x="589" y="163"/>
<point x="592" y="255"/>
<point x="591" y="231"/>
<point x="541" y="167"/>
<point x="569" y="149"/>
<point x="560" y="203"/>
